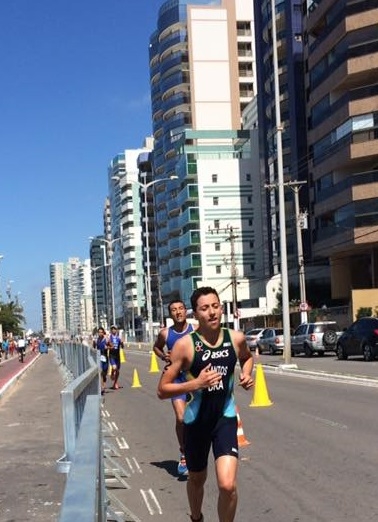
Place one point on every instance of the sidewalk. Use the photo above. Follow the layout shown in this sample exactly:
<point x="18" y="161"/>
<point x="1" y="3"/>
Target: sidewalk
<point x="31" y="439"/>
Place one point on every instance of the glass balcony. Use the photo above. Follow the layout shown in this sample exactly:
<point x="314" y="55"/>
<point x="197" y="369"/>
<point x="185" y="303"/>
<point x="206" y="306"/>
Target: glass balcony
<point x="190" y="261"/>
<point x="174" y="243"/>
<point x="191" y="215"/>
<point x="173" y="39"/>
<point x="174" y="264"/>
<point x="190" y="192"/>
<point x="192" y="237"/>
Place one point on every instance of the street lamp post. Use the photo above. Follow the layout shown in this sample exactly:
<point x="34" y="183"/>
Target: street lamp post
<point x="94" y="269"/>
<point x="110" y="242"/>
<point x="9" y="289"/>
<point x="144" y="187"/>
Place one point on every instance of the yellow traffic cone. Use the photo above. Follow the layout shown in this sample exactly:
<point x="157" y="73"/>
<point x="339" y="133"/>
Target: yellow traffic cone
<point x="261" y="395"/>
<point x="154" y="367"/>
<point x="122" y="356"/>
<point x="136" y="381"/>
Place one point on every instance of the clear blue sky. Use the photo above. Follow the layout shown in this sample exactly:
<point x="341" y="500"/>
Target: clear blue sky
<point x="74" y="92"/>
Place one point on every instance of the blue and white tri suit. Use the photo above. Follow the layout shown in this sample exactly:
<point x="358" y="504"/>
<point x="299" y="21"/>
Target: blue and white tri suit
<point x="172" y="337"/>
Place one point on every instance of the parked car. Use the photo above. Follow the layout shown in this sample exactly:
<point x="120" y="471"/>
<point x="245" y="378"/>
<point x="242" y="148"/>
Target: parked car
<point x="271" y="340"/>
<point x="361" y="338"/>
<point x="318" y="337"/>
<point x="252" y="336"/>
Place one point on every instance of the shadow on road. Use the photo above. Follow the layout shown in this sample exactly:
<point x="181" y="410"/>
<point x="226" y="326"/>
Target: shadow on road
<point x="171" y="467"/>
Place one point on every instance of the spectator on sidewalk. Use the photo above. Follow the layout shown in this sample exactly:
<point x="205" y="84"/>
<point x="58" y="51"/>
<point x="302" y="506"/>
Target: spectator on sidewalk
<point x="5" y="348"/>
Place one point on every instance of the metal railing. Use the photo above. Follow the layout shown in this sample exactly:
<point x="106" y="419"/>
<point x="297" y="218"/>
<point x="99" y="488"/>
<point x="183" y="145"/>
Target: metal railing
<point x="84" y="496"/>
<point x="85" y="491"/>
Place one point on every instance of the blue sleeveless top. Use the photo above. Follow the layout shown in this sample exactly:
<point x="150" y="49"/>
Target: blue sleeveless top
<point x="173" y="335"/>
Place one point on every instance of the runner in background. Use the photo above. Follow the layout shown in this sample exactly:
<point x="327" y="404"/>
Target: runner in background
<point x="103" y="345"/>
<point x="115" y="355"/>
<point x="167" y="337"/>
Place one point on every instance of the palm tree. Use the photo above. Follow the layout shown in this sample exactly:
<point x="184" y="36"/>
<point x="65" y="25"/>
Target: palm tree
<point x="11" y="317"/>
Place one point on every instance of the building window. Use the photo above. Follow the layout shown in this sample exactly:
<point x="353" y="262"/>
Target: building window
<point x="253" y="267"/>
<point x="217" y="247"/>
<point x="250" y="222"/>
<point x="249" y="199"/>
<point x="215" y="201"/>
<point x="251" y="244"/>
<point x="248" y="177"/>
<point x="216" y="223"/>
<point x="214" y="178"/>
<point x="218" y="269"/>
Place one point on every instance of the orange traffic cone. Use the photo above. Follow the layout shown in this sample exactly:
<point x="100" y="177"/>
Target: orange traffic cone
<point x="242" y="441"/>
<point x="261" y="395"/>
<point x="136" y="381"/>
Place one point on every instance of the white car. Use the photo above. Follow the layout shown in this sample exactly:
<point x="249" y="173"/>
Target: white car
<point x="252" y="336"/>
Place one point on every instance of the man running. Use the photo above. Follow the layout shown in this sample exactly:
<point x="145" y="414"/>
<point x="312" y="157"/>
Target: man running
<point x="102" y="344"/>
<point x="114" y="355"/>
<point x="208" y="356"/>
<point x="167" y="337"/>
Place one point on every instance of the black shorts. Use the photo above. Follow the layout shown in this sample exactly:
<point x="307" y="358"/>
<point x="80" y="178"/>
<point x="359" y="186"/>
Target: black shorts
<point x="199" y="437"/>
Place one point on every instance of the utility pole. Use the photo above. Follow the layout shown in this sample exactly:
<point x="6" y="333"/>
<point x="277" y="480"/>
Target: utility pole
<point x="300" y="221"/>
<point x="234" y="272"/>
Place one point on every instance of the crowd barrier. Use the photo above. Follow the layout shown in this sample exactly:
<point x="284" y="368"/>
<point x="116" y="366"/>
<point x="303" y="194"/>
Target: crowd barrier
<point x="85" y="446"/>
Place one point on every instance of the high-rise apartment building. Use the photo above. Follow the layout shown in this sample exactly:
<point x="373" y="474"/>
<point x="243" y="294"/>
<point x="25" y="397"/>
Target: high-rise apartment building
<point x="342" y="112"/>
<point x="59" y="297"/>
<point x="47" y="325"/>
<point x="126" y="236"/>
<point x="290" y="71"/>
<point x="99" y="269"/>
<point x="202" y="70"/>
<point x="71" y="297"/>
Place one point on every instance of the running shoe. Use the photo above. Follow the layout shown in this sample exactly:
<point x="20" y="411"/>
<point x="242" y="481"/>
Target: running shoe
<point x="181" y="468"/>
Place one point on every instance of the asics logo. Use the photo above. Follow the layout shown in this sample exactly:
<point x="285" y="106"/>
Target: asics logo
<point x="208" y="354"/>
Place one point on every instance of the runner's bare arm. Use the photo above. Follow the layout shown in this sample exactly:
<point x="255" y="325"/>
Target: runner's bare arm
<point x="181" y="358"/>
<point x="159" y="344"/>
<point x="245" y="359"/>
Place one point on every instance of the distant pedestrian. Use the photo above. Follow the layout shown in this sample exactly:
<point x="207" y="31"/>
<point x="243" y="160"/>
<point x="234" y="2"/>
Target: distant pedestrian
<point x="102" y="344"/>
<point x="116" y="344"/>
<point x="12" y="347"/>
<point x="5" y="348"/>
<point x="21" y="347"/>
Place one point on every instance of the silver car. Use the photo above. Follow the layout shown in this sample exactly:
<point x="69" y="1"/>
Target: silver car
<point x="271" y="340"/>
<point x="318" y="337"/>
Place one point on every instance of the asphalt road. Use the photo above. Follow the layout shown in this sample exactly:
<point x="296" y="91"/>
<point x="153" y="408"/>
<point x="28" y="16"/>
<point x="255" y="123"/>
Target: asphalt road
<point x="312" y="455"/>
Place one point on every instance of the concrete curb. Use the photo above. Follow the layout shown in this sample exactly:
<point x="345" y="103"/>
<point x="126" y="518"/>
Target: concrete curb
<point x="322" y="375"/>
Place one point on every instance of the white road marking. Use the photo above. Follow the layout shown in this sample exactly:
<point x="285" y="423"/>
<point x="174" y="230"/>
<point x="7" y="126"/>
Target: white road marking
<point x="149" y="499"/>
<point x="114" y="426"/>
<point x="122" y="444"/>
<point x="327" y="422"/>
<point x="137" y="465"/>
